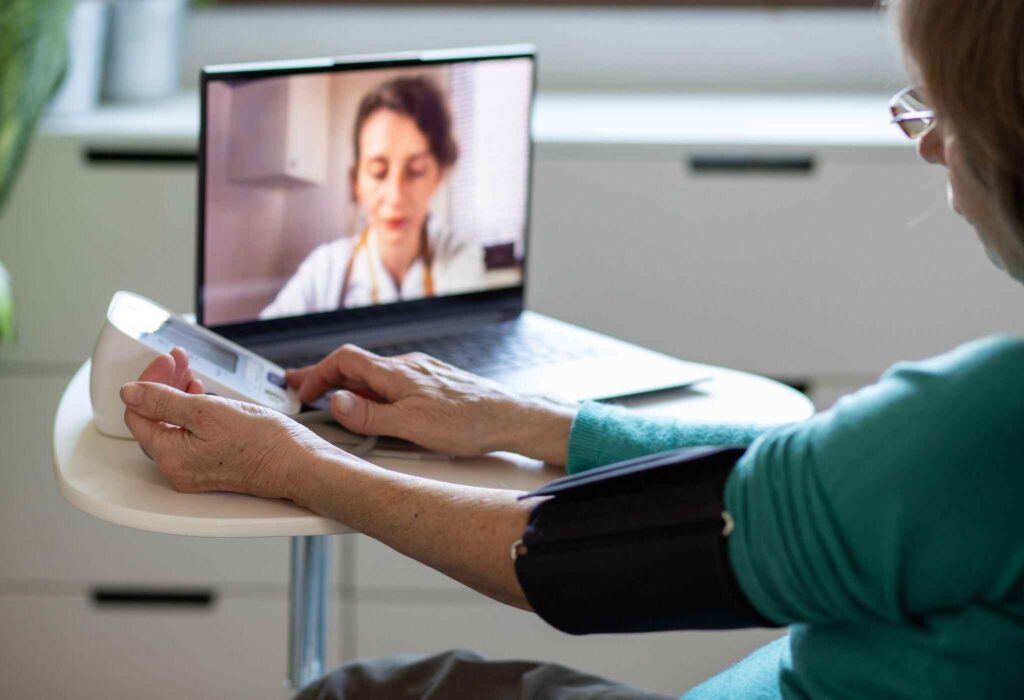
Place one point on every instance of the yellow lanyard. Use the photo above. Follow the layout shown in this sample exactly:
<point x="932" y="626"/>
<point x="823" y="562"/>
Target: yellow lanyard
<point x="361" y="245"/>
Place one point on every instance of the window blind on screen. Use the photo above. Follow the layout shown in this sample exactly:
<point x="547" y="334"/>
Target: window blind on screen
<point x="490" y="115"/>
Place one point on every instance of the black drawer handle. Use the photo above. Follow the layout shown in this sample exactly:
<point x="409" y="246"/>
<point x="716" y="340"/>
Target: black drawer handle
<point x="752" y="165"/>
<point x="802" y="384"/>
<point x="118" y="156"/>
<point x="138" y="597"/>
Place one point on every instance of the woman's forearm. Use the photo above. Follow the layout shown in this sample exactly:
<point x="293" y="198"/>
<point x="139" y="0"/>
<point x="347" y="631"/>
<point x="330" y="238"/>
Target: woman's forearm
<point x="538" y="428"/>
<point x="464" y="532"/>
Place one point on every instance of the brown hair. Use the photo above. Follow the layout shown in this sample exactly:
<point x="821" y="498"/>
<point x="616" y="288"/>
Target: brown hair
<point x="421" y="100"/>
<point x="969" y="55"/>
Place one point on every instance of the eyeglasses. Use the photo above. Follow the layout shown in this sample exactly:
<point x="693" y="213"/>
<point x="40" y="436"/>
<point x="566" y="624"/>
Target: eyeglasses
<point x="911" y="113"/>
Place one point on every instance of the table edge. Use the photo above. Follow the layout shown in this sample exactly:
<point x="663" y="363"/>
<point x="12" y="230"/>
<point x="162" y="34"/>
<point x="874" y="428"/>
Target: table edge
<point x="310" y="524"/>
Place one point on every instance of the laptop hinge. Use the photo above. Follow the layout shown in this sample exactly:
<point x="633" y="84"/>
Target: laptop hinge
<point x="408" y="331"/>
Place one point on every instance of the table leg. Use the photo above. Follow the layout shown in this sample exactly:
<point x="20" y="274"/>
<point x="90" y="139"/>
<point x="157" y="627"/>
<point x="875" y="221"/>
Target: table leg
<point x="307" y="609"/>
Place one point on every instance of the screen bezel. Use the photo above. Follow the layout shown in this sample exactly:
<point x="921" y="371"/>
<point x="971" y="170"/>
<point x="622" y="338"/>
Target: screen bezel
<point x="505" y="299"/>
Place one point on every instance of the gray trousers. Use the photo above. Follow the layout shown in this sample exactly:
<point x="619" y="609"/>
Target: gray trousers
<point x="463" y="675"/>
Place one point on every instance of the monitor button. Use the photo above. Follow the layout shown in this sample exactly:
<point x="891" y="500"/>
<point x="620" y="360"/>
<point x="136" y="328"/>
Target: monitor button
<point x="277" y="379"/>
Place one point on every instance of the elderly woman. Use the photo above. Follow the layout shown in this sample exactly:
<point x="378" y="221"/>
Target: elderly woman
<point x="885" y="532"/>
<point x="403" y="149"/>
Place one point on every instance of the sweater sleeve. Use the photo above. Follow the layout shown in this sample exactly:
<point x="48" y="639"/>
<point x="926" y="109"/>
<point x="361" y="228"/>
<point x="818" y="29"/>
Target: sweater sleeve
<point x="903" y="500"/>
<point x="604" y="434"/>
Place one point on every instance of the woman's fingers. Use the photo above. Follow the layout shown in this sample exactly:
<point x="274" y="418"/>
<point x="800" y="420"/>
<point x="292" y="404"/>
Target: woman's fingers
<point x="349" y="367"/>
<point x="159" y="402"/>
<point x="171" y="369"/>
<point x="294" y="377"/>
<point x="365" y="416"/>
<point x="181" y="368"/>
<point x="160" y="370"/>
<point x="157" y="439"/>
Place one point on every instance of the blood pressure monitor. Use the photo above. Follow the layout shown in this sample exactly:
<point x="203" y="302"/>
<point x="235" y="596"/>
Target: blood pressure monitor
<point x="137" y="330"/>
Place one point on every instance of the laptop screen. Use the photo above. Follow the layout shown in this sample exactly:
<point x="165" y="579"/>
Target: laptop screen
<point x="360" y="185"/>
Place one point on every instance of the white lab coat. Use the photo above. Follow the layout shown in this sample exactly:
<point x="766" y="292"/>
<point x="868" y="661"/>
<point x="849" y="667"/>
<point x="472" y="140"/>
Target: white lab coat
<point x="458" y="266"/>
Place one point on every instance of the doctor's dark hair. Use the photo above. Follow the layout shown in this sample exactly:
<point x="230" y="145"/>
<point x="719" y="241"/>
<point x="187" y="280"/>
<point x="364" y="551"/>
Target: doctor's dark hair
<point x="421" y="100"/>
<point x="969" y="56"/>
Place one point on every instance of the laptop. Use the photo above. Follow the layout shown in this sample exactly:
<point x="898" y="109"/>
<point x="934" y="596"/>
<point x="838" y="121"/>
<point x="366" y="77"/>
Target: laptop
<point x="384" y="200"/>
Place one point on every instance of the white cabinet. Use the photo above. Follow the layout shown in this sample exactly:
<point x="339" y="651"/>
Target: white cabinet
<point x="76" y="230"/>
<point x="379" y="570"/>
<point x="56" y="642"/>
<point x="844" y="269"/>
<point x="48" y="540"/>
<point x="64" y="645"/>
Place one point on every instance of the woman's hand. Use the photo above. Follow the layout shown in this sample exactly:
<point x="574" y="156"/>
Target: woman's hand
<point x="207" y="443"/>
<point x="419" y="398"/>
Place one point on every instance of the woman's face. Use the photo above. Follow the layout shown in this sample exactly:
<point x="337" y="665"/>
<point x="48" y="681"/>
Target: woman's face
<point x="969" y="197"/>
<point x="396" y="175"/>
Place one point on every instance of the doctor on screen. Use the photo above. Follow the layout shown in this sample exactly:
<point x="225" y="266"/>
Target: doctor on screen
<point x="404" y="149"/>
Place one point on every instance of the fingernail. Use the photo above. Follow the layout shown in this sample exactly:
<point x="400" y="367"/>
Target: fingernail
<point x="131" y="394"/>
<point x="343" y="402"/>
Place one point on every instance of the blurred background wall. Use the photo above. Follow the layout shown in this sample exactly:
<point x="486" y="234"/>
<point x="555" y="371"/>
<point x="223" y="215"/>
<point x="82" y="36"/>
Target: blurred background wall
<point x="610" y="49"/>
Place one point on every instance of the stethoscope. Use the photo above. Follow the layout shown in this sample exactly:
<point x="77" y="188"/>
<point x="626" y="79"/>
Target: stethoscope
<point x="361" y="245"/>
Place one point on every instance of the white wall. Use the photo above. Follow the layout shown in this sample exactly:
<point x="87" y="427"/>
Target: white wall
<point x="650" y="49"/>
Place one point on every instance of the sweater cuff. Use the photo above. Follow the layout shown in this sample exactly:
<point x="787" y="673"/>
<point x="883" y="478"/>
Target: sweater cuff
<point x="603" y="434"/>
<point x="585" y="437"/>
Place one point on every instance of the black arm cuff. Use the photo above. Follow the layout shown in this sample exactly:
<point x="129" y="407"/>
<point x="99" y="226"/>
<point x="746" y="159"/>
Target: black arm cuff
<point x="638" y="546"/>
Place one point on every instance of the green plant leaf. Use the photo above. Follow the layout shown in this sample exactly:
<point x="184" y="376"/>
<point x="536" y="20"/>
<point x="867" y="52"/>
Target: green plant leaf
<point x="33" y="59"/>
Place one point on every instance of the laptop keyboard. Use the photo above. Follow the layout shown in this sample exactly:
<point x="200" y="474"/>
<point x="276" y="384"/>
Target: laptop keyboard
<point x="497" y="347"/>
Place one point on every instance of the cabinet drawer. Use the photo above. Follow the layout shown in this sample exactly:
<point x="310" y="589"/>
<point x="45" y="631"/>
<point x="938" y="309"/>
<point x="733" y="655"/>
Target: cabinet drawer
<point x="665" y="662"/>
<point x="844" y="267"/>
<point x="378" y="569"/>
<point x="76" y="231"/>
<point x="59" y="646"/>
<point x="47" y="538"/>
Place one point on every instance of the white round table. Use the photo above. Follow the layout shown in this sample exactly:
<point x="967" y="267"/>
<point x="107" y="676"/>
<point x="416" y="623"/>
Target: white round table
<point x="112" y="480"/>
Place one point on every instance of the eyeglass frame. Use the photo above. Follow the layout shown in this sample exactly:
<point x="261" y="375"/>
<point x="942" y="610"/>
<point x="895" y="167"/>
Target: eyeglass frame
<point x="925" y="116"/>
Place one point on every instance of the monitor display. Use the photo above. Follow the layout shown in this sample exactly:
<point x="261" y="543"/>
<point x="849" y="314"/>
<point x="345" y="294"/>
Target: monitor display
<point x="174" y="333"/>
<point x="340" y="189"/>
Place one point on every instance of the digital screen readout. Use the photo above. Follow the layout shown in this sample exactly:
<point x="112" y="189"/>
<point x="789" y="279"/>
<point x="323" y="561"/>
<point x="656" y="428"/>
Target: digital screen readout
<point x="176" y="332"/>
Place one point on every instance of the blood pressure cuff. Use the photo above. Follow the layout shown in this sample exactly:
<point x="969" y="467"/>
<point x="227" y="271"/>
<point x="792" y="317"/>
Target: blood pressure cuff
<point x="637" y="546"/>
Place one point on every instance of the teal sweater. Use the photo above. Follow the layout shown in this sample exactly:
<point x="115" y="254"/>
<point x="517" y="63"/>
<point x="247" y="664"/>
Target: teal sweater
<point x="887" y="532"/>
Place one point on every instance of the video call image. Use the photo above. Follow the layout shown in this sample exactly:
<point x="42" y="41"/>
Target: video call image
<point x="329" y="191"/>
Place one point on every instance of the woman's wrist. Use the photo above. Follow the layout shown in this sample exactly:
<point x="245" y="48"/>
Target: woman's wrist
<point x="311" y="481"/>
<point x="539" y="427"/>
